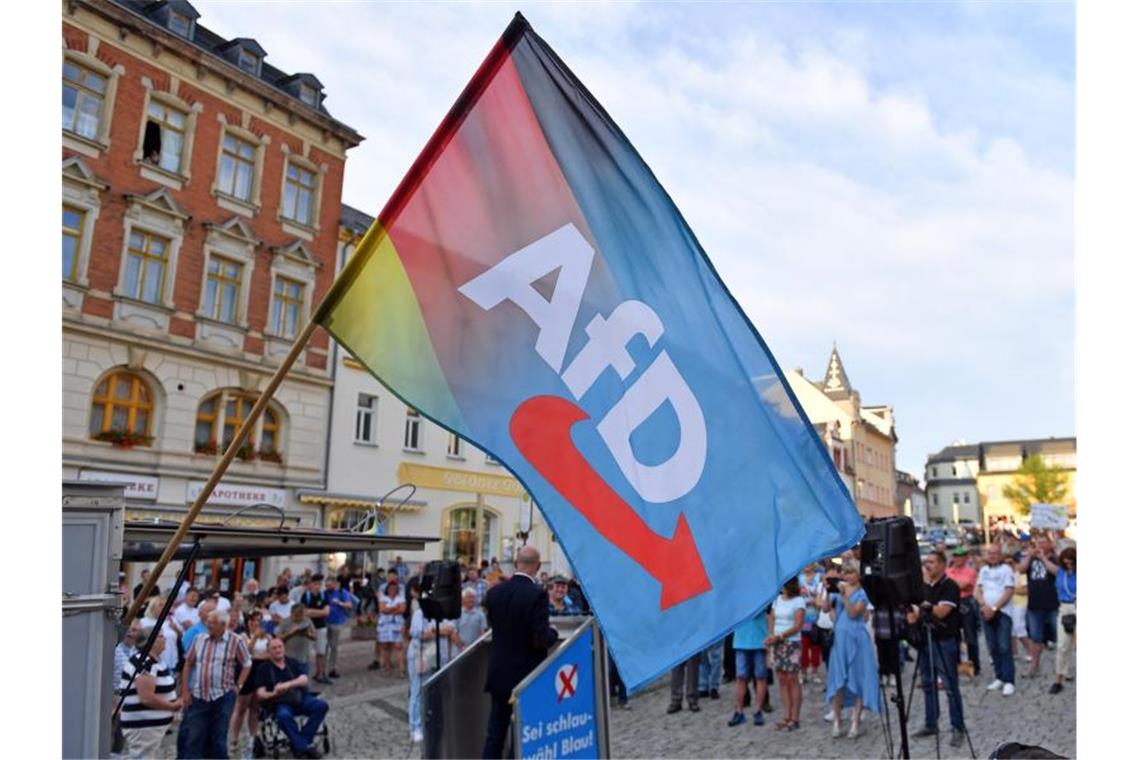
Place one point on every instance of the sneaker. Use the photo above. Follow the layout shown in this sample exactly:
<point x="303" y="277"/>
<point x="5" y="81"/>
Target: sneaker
<point x="736" y="719"/>
<point x="758" y="718"/>
<point x="1056" y="688"/>
<point x="836" y="731"/>
<point x="1007" y="690"/>
<point x="714" y="694"/>
<point x="923" y="732"/>
<point x="830" y="715"/>
<point x="856" y="731"/>
<point x="417" y="737"/>
<point x="334" y="674"/>
<point x="674" y="708"/>
<point x="374" y="665"/>
<point x="703" y="694"/>
<point x="997" y="684"/>
<point x="694" y="707"/>
<point x="1027" y="658"/>
<point x="956" y="738"/>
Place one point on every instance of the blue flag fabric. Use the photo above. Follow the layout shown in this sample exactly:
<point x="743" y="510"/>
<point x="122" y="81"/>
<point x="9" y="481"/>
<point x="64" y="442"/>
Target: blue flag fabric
<point x="557" y="311"/>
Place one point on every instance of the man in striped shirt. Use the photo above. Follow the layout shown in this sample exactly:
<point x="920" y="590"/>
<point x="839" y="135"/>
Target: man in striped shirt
<point x="209" y="688"/>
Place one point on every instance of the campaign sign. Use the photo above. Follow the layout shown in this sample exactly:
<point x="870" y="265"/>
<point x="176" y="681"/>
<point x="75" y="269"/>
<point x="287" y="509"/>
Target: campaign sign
<point x="1048" y="516"/>
<point x="557" y="710"/>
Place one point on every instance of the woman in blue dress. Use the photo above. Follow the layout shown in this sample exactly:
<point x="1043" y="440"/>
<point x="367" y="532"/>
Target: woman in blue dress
<point x="852" y="672"/>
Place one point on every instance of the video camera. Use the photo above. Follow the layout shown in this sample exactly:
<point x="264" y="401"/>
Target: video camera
<point x="441" y="592"/>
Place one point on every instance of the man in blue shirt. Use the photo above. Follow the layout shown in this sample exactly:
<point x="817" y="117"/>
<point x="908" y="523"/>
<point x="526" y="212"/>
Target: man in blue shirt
<point x="204" y="610"/>
<point x="748" y="645"/>
<point x="341" y="606"/>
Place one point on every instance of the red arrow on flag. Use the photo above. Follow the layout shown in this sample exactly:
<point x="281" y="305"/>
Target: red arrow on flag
<point x="540" y="428"/>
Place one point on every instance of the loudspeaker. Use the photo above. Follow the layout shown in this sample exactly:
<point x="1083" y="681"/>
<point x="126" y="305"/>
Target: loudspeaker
<point x="441" y="593"/>
<point x="891" y="569"/>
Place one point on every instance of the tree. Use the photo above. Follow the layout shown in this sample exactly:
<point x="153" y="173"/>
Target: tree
<point x="1036" y="483"/>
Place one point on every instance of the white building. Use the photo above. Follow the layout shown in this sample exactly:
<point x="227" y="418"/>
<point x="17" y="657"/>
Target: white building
<point x="377" y="443"/>
<point x="952" y="485"/>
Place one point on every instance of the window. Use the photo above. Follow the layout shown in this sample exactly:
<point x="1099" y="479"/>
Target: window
<point x="954" y="470"/>
<point x="270" y="427"/>
<point x="454" y="446"/>
<point x="121" y="409"/>
<point x="288" y="302"/>
<point x="146" y="266"/>
<point x="180" y="23"/>
<point x="72" y="238"/>
<point x="935" y="499"/>
<point x="966" y="497"/>
<point x="83" y="92"/>
<point x="412" y="423"/>
<point x="223" y="289"/>
<point x="955" y="497"/>
<point x="164" y="136"/>
<point x="221" y="415"/>
<point x="300" y="188"/>
<point x="247" y="61"/>
<point x="236" y="168"/>
<point x="461" y="539"/>
<point x="309" y="95"/>
<point x="365" y="418"/>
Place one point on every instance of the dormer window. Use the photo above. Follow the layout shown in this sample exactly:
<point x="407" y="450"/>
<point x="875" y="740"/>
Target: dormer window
<point x="249" y="62"/>
<point x="309" y="95"/>
<point x="180" y="23"/>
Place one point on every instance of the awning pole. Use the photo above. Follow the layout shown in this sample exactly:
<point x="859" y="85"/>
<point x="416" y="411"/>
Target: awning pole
<point x="220" y="469"/>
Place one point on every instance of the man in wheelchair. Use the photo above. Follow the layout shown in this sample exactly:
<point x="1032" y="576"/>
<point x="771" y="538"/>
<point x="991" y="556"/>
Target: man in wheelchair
<point x="283" y="690"/>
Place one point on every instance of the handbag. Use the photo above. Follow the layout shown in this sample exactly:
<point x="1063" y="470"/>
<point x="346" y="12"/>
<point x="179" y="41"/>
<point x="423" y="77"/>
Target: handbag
<point x="1069" y="622"/>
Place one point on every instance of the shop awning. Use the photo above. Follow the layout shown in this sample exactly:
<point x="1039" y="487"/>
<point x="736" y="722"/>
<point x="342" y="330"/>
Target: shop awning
<point x="145" y="541"/>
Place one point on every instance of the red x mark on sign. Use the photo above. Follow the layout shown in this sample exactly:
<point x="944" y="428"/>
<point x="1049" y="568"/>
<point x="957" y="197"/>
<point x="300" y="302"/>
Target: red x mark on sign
<point x="567" y="681"/>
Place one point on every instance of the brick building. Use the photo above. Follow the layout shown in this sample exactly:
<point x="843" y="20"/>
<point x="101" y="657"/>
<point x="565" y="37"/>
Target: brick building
<point x="201" y="202"/>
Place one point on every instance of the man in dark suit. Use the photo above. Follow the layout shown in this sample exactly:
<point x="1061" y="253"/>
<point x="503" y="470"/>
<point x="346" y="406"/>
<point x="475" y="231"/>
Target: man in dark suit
<point x="521" y="637"/>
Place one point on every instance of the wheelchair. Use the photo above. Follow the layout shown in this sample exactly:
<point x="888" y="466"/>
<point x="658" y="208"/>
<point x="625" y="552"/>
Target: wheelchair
<point x="271" y="741"/>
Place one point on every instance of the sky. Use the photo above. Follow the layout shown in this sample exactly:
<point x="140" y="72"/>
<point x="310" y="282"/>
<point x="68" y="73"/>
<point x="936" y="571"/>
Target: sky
<point x="893" y="178"/>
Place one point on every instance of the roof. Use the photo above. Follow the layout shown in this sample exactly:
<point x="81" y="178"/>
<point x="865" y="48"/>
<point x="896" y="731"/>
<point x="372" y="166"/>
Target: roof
<point x="354" y="219"/>
<point x="954" y="453"/>
<point x="1027" y="446"/>
<point x="835" y="383"/>
<point x="146" y="541"/>
<point x="154" y="13"/>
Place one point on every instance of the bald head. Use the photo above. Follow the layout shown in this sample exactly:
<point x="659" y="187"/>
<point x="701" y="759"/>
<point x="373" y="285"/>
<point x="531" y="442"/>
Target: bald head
<point x="528" y="560"/>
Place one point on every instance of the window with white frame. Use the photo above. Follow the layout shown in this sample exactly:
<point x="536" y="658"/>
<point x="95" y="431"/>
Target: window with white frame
<point x="300" y="193"/>
<point x="365" y="418"/>
<point x="83" y="95"/>
<point x="222" y="297"/>
<point x="165" y="136"/>
<point x="237" y="168"/>
<point x="413" y="425"/>
<point x="454" y="446"/>
<point x="288" y="305"/>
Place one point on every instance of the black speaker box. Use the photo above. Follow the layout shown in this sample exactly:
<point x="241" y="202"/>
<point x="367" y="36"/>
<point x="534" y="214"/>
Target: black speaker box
<point x="441" y="596"/>
<point x="891" y="569"/>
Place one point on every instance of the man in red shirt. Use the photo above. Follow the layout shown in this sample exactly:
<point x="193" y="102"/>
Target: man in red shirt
<point x="967" y="577"/>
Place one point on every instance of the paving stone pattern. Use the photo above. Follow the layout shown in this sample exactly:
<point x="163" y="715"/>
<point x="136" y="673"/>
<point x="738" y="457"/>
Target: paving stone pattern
<point x="368" y="718"/>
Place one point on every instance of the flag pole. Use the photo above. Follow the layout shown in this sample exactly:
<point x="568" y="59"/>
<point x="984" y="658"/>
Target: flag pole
<point x="223" y="463"/>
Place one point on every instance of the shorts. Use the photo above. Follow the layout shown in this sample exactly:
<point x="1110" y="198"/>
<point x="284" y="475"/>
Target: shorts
<point x="786" y="656"/>
<point x="321" y="645"/>
<point x="750" y="664"/>
<point x="1042" y="625"/>
<point x="1019" y="614"/>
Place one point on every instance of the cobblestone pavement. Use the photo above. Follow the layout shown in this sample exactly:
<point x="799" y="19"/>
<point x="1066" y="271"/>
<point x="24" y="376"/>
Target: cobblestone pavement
<point x="368" y="718"/>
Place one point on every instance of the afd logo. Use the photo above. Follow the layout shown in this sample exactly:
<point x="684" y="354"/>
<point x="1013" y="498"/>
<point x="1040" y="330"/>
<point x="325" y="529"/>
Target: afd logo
<point x="540" y="426"/>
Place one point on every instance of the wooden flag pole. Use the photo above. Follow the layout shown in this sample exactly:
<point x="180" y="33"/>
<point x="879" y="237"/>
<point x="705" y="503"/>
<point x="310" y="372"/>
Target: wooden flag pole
<point x="222" y="465"/>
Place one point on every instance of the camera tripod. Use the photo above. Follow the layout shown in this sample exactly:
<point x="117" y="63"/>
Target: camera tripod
<point x="927" y="628"/>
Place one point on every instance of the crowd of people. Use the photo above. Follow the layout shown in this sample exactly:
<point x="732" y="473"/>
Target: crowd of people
<point x="222" y="664"/>
<point x="1019" y="589"/>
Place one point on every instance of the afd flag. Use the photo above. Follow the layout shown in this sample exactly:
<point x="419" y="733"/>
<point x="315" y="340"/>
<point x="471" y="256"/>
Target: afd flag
<point x="532" y="287"/>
